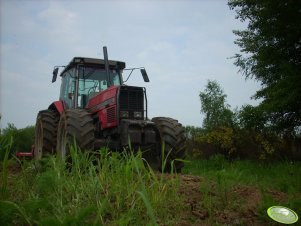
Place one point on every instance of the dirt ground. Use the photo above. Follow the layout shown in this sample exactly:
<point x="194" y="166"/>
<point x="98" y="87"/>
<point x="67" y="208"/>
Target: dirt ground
<point x="233" y="206"/>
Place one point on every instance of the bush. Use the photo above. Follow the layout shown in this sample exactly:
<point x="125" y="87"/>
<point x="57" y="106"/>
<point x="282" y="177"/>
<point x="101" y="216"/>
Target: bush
<point x="245" y="144"/>
<point x="23" y="139"/>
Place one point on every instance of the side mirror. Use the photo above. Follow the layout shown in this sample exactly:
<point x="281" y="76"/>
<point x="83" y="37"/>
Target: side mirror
<point x="144" y="75"/>
<point x="54" y="74"/>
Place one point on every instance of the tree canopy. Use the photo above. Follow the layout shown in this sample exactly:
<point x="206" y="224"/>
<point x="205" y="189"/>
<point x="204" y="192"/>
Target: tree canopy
<point x="271" y="53"/>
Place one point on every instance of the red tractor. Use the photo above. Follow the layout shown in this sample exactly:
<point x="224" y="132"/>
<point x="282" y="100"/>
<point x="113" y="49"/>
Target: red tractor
<point x="96" y="109"/>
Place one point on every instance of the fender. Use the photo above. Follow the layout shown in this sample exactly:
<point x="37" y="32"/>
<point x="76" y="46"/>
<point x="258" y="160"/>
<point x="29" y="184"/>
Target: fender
<point x="57" y="106"/>
<point x="105" y="105"/>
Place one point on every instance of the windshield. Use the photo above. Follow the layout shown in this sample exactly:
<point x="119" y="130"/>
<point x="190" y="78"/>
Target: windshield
<point x="94" y="80"/>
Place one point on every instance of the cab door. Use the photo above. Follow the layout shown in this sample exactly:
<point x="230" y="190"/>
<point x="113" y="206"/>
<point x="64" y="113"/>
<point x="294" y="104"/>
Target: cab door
<point x="67" y="93"/>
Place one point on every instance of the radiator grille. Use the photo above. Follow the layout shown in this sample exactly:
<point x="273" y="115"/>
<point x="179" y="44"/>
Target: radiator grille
<point x="111" y="114"/>
<point x="131" y="99"/>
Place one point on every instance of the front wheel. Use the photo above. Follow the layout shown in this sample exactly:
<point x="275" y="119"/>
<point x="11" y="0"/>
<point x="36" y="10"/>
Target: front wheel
<point x="45" y="133"/>
<point x="75" y="125"/>
<point x="173" y="137"/>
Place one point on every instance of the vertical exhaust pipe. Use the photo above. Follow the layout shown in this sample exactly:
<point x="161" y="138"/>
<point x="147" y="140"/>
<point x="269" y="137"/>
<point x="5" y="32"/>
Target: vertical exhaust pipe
<point x="105" y="55"/>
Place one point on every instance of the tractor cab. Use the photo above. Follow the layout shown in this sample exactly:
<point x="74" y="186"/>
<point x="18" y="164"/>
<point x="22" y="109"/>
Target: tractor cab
<point x="83" y="78"/>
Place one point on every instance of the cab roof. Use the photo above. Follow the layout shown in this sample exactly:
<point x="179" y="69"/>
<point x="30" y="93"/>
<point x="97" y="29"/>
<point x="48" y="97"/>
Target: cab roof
<point x="113" y="64"/>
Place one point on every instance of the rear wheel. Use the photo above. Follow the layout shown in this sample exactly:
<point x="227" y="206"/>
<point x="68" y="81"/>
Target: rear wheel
<point x="75" y="125"/>
<point x="45" y="133"/>
<point x="172" y="135"/>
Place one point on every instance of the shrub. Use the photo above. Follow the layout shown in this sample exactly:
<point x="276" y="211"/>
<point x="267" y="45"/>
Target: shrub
<point x="23" y="138"/>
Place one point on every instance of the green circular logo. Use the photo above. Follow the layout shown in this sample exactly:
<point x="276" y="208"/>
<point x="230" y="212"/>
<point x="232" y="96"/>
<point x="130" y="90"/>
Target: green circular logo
<point x="282" y="214"/>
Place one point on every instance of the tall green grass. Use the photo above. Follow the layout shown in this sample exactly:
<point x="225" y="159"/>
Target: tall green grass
<point x="100" y="189"/>
<point x="5" y="147"/>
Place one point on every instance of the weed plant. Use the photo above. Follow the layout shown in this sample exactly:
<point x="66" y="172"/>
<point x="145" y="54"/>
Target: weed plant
<point x="100" y="189"/>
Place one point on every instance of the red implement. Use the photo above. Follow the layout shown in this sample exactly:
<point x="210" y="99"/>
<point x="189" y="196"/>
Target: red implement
<point x="24" y="154"/>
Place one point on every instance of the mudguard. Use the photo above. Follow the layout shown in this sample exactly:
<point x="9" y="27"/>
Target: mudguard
<point x="57" y="106"/>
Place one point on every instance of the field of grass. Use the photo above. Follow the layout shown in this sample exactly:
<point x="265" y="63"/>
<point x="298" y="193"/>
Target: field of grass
<point x="234" y="185"/>
<point x="119" y="189"/>
<point x="112" y="189"/>
<point x="282" y="176"/>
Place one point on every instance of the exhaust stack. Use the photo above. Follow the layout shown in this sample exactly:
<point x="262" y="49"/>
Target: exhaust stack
<point x="105" y="56"/>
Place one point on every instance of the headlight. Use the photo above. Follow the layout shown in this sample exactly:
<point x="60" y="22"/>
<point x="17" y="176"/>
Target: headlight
<point x="137" y="114"/>
<point x="124" y="114"/>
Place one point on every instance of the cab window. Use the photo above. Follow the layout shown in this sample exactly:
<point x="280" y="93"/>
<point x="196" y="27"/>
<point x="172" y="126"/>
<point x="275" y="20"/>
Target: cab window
<point x="68" y="87"/>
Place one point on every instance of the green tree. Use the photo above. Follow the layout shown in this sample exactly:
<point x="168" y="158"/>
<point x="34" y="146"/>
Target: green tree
<point x="23" y="138"/>
<point x="217" y="111"/>
<point x="192" y="131"/>
<point x="271" y="53"/>
<point x="10" y="130"/>
<point x="252" y="118"/>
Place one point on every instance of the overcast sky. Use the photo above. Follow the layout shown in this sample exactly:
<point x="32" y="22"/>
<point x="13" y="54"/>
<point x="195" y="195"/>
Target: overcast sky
<point x="181" y="44"/>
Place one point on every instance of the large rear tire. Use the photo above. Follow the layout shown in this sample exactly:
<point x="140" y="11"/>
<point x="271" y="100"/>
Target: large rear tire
<point x="172" y="135"/>
<point x="45" y="133"/>
<point x="75" y="125"/>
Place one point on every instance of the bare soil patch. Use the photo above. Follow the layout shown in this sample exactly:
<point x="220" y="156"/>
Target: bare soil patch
<point x="210" y="207"/>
